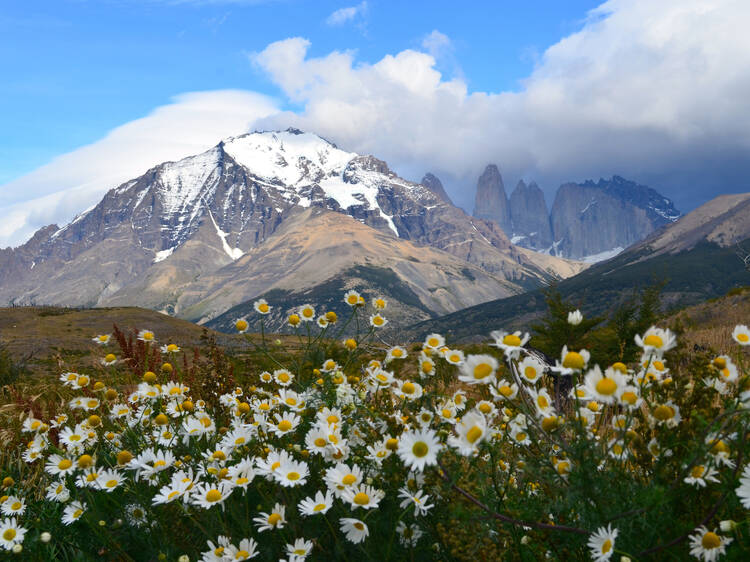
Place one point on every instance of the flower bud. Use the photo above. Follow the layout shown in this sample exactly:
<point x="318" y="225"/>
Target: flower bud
<point x="728" y="525"/>
<point x="45" y="537"/>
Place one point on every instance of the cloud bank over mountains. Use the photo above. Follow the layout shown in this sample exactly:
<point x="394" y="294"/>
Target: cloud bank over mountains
<point x="653" y="91"/>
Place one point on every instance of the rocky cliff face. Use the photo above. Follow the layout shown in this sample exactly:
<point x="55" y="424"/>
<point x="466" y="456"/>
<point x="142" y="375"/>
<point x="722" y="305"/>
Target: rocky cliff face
<point x="529" y="217"/>
<point x="432" y="183"/>
<point x="595" y="220"/>
<point x="204" y="213"/>
<point x="491" y="202"/>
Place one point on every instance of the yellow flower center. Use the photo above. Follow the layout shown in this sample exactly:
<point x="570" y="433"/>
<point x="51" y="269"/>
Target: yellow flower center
<point x="9" y="534"/>
<point x="77" y="513"/>
<point x="512" y="339"/>
<point x="241" y="555"/>
<point x="349" y="479"/>
<point x="573" y="360"/>
<point x="664" y="412"/>
<point x="15" y="506"/>
<point x="653" y="340"/>
<point x="607" y="546"/>
<point x="505" y="390"/>
<point x="284" y="377"/>
<point x="542" y="401"/>
<point x="241" y="325"/>
<point x="292" y="476"/>
<point x="263" y="307"/>
<point x="377" y="320"/>
<point x="111" y="483"/>
<point x="274" y="519"/>
<point x="319" y="507"/>
<point x="408" y="388"/>
<point x="213" y="496"/>
<point x="520" y="436"/>
<point x="65" y="464"/>
<point x="485" y="408"/>
<point x="473" y="434"/>
<point x="426" y="367"/>
<point x="361" y="499"/>
<point x="743" y="338"/>
<point x="285" y="425"/>
<point x="629" y="396"/>
<point x="420" y="449"/>
<point x="697" y="471"/>
<point x="710" y="540"/>
<point x="606" y="386"/>
<point x="359" y="526"/>
<point x="483" y="370"/>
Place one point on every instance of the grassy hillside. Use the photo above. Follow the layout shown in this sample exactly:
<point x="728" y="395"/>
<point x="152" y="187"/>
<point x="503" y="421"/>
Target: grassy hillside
<point x="371" y="281"/>
<point x="37" y="334"/>
<point x="689" y="277"/>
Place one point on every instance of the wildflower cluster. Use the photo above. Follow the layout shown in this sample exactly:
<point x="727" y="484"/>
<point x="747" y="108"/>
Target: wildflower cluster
<point x="358" y="447"/>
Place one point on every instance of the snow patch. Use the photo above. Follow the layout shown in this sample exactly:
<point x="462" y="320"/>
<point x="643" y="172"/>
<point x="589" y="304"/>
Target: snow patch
<point x="234" y="253"/>
<point x="517" y="238"/>
<point x="602" y="256"/>
<point x="164" y="254"/>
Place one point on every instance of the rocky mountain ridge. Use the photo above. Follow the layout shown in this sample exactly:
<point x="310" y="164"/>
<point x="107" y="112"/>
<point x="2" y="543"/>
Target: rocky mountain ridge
<point x="209" y="211"/>
<point x="589" y="221"/>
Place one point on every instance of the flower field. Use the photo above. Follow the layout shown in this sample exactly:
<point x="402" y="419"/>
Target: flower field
<point x="351" y="446"/>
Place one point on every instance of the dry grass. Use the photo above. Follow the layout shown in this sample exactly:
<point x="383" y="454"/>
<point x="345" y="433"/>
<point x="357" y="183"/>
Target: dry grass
<point x="710" y="324"/>
<point x="41" y="335"/>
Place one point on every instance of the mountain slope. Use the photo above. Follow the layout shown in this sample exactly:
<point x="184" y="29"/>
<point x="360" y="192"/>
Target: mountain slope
<point x="205" y="212"/>
<point x="698" y="257"/>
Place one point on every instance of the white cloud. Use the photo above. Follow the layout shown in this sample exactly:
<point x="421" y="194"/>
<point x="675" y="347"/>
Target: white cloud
<point x="652" y="90"/>
<point x="437" y="44"/>
<point x="343" y="15"/>
<point x="72" y="182"/>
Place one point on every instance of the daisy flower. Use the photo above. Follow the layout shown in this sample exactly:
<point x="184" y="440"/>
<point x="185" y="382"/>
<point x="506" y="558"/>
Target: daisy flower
<point x="701" y="474"/>
<point x="146" y="336"/>
<point x="602" y="543"/>
<point x="262" y="307"/>
<point x="655" y="340"/>
<point x="741" y="334"/>
<point x="300" y="549"/>
<point x="708" y="545"/>
<point x="283" y="377"/>
<point x="319" y="504"/>
<point x="109" y="479"/>
<point x="341" y="477"/>
<point x="511" y="344"/>
<point x="354" y="530"/>
<point x="13" y="506"/>
<point x="363" y="496"/>
<point x="306" y="312"/>
<point x="408" y="535"/>
<point x="478" y="369"/>
<point x="396" y="352"/>
<point x="102" y="339"/>
<point x="246" y="550"/>
<point x="503" y="390"/>
<point x="208" y="495"/>
<point x="470" y="432"/>
<point x="407" y="389"/>
<point x="57" y="491"/>
<point x="241" y="325"/>
<point x="454" y="356"/>
<point x="667" y="413"/>
<point x="743" y="490"/>
<point x="418" y="499"/>
<point x="530" y="369"/>
<point x="292" y="473"/>
<point x="575" y="317"/>
<point x="426" y="366"/>
<point x="73" y="512"/>
<point x="378" y="321"/>
<point x="59" y="466"/>
<point x="434" y="341"/>
<point x="11" y="533"/>
<point x="419" y="448"/>
<point x="571" y="361"/>
<point x="273" y="520"/>
<point x="603" y="387"/>
<point x="352" y="298"/>
<point x="285" y="423"/>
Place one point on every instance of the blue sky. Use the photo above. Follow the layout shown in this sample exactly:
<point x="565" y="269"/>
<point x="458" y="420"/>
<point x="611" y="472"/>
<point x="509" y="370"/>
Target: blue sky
<point x="74" y="69"/>
<point x="95" y="92"/>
